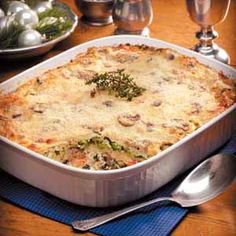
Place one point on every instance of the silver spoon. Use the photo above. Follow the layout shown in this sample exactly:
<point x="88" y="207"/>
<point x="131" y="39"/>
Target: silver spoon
<point x="205" y="182"/>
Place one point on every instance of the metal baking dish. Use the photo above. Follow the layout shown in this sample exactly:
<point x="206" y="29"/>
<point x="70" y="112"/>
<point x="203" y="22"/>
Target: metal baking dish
<point x="114" y="187"/>
<point x="28" y="52"/>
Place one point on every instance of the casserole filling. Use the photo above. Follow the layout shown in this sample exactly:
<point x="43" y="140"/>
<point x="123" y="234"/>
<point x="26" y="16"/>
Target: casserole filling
<point x="97" y="153"/>
<point x="112" y="107"/>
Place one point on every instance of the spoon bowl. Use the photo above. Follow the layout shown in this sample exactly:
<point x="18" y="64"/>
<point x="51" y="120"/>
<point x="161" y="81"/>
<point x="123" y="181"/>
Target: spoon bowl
<point x="206" y="181"/>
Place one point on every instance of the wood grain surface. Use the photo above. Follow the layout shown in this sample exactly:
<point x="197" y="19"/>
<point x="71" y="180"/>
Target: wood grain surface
<point x="171" y="23"/>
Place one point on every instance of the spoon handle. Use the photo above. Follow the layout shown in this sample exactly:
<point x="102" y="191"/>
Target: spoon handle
<point x="84" y="225"/>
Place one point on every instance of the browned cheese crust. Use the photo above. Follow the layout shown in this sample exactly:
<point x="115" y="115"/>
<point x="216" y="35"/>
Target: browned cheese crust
<point x="62" y="117"/>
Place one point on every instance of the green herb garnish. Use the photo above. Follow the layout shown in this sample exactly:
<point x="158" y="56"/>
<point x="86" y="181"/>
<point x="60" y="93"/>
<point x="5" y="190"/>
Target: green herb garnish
<point x="119" y="83"/>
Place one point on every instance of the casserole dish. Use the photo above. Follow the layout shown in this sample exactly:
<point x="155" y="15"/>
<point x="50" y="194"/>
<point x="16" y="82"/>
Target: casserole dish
<point x="114" y="187"/>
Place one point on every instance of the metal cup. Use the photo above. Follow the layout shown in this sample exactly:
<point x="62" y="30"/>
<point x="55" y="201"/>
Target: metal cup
<point x="95" y="13"/>
<point x="207" y="13"/>
<point x="132" y="16"/>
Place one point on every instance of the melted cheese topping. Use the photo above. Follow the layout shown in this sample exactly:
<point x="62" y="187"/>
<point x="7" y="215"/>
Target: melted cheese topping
<point x="59" y="109"/>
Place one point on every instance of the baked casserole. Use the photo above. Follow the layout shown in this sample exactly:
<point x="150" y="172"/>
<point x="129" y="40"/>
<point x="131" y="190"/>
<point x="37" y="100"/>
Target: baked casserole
<point x="112" y="107"/>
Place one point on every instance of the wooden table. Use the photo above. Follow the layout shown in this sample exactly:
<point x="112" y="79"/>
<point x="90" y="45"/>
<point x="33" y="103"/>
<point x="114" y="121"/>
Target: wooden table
<point x="171" y="23"/>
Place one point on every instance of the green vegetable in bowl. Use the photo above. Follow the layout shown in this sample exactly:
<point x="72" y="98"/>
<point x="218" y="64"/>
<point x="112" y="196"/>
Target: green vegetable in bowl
<point x="53" y="23"/>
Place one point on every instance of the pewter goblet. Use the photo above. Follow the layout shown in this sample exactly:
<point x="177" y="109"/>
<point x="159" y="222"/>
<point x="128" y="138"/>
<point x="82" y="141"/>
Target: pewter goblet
<point x="132" y="16"/>
<point x="207" y="13"/>
<point x="95" y="12"/>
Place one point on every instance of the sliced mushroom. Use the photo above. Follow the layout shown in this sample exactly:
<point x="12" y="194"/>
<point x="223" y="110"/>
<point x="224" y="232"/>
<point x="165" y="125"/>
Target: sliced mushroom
<point x="196" y="108"/>
<point x="93" y="93"/>
<point x="195" y="124"/>
<point x="157" y="103"/>
<point x="108" y="103"/>
<point x="16" y="113"/>
<point x="39" y="81"/>
<point x="95" y="128"/>
<point x="177" y="125"/>
<point x="31" y="92"/>
<point x="191" y="64"/>
<point x="150" y="126"/>
<point x="170" y="56"/>
<point x="39" y="108"/>
<point x="184" y="126"/>
<point x="128" y="119"/>
<point x="165" y="145"/>
<point x="149" y="59"/>
<point x="167" y="78"/>
<point x="123" y="57"/>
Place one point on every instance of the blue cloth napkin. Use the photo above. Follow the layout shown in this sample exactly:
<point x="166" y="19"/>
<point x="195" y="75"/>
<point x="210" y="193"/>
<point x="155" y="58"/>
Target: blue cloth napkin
<point x="154" y="220"/>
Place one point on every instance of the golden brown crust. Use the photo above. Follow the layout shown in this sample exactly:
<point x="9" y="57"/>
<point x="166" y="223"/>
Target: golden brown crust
<point x="58" y="108"/>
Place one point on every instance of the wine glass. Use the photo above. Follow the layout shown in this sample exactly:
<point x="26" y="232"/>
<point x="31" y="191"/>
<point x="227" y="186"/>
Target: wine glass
<point x="207" y="13"/>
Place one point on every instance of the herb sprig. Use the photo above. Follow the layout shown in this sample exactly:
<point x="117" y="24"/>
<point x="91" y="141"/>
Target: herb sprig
<point x="118" y="82"/>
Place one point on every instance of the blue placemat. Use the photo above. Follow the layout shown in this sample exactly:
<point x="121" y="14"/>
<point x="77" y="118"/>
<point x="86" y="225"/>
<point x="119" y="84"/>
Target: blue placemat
<point x="155" y="220"/>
